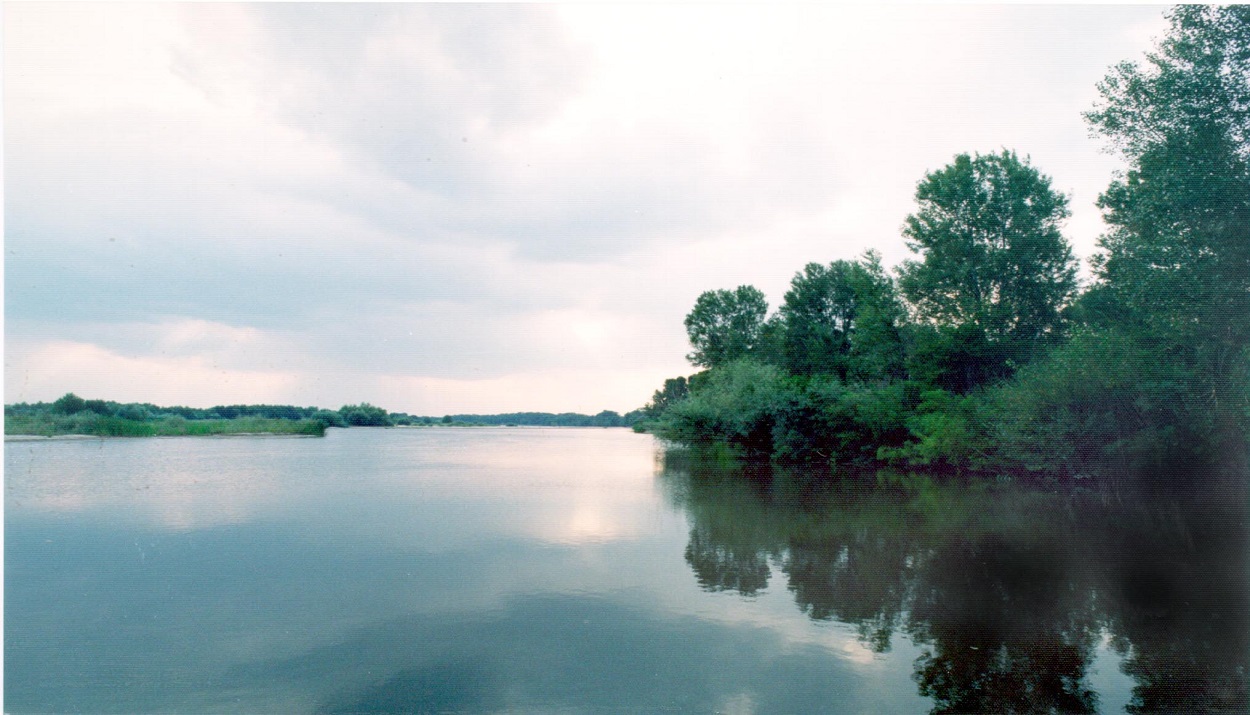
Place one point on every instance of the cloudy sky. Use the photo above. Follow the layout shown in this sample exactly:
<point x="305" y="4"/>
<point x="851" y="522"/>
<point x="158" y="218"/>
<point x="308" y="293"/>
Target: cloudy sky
<point x="458" y="208"/>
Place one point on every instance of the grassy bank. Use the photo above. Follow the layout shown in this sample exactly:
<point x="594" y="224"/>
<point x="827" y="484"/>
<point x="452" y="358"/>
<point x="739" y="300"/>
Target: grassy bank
<point x="89" y="423"/>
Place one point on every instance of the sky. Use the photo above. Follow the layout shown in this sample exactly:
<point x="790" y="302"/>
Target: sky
<point x="480" y="209"/>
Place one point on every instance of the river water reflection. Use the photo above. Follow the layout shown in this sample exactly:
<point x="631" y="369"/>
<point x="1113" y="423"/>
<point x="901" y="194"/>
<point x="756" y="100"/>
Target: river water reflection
<point x="544" y="570"/>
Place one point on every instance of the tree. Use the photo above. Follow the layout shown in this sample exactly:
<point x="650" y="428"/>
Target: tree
<point x="842" y="319"/>
<point x="69" y="404"/>
<point x="675" y="389"/>
<point x="331" y="418"/>
<point x="606" y="418"/>
<point x="725" y="325"/>
<point x="995" y="272"/>
<point x="819" y="313"/>
<point x="1196" y="80"/>
<point x="365" y="415"/>
<point x="1176" y="267"/>
<point x="876" y="341"/>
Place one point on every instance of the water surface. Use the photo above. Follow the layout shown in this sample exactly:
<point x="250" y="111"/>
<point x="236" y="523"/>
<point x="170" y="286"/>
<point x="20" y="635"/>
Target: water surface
<point x="580" y="570"/>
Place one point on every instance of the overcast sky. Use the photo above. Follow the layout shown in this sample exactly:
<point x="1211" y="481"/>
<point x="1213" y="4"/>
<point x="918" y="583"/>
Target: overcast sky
<point x="454" y="208"/>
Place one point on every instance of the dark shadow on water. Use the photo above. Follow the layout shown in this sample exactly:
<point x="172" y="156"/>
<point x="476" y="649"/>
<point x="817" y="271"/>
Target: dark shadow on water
<point x="438" y="688"/>
<point x="1007" y="627"/>
<point x="1008" y="591"/>
<point x="719" y="567"/>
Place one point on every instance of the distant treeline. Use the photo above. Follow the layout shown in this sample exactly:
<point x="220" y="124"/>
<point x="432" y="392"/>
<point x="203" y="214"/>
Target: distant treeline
<point x="985" y="354"/>
<point x="71" y="404"/>
<point x="607" y="418"/>
<point x="72" y="414"/>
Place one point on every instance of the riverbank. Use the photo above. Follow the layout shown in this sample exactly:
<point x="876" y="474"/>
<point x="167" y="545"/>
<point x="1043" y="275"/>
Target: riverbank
<point x="90" y="425"/>
<point x="83" y="437"/>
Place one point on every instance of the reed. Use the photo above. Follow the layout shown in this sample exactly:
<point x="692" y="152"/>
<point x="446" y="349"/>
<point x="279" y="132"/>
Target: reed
<point x="87" y="423"/>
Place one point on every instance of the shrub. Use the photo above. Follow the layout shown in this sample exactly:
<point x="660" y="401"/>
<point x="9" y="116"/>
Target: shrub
<point x="330" y="418"/>
<point x="947" y="430"/>
<point x="69" y="404"/>
<point x="737" y="403"/>
<point x="365" y="415"/>
<point x="1100" y="403"/>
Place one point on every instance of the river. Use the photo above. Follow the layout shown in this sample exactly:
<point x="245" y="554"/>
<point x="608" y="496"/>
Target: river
<point x="517" y="570"/>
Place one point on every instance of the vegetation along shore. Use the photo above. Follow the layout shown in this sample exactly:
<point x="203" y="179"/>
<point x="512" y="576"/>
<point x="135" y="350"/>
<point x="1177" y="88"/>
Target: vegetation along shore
<point x="985" y="354"/>
<point x="73" y="415"/>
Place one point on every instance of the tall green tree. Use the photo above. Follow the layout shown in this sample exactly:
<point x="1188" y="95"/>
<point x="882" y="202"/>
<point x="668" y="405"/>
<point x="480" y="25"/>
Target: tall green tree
<point x="1176" y="266"/>
<point x="842" y="319"/>
<point x="726" y="325"/>
<point x="68" y="404"/>
<point x="819" y="313"/>
<point x="675" y="389"/>
<point x="995" y="271"/>
<point x="876" y="338"/>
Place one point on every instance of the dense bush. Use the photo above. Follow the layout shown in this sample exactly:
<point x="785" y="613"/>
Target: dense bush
<point x="365" y="415"/>
<point x="739" y="403"/>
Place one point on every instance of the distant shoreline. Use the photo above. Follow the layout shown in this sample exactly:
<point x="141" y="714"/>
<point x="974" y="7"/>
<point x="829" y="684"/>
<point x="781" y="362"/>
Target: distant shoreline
<point x="459" y="425"/>
<point x="73" y="415"/>
<point x="83" y="437"/>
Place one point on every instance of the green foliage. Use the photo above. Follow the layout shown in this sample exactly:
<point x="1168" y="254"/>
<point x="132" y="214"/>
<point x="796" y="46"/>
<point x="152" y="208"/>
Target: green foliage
<point x="1196" y="79"/>
<point x="877" y="351"/>
<point x="68" y="404"/>
<point x="106" y="426"/>
<point x="819" y="314"/>
<point x="843" y="320"/>
<point x="955" y="358"/>
<point x="134" y="413"/>
<point x="726" y="325"/>
<point x="1102" y="404"/>
<point x="239" y="425"/>
<point x="365" y="415"/>
<point x="838" y="423"/>
<point x="606" y="418"/>
<point x="73" y="415"/>
<point x="88" y="422"/>
<point x="331" y="418"/>
<point x="975" y="376"/>
<point x="948" y="431"/>
<point x="675" y="389"/>
<point x="1176" y="269"/>
<point x="771" y="346"/>
<point x="995" y="269"/>
<point x="738" y="404"/>
<point x="761" y="411"/>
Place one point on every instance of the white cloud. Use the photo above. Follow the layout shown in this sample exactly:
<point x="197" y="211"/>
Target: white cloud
<point x="34" y="372"/>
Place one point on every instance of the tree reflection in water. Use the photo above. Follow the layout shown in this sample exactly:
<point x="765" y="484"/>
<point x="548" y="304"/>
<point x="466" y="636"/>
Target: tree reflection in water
<point x="1009" y="628"/>
<point x="1007" y="590"/>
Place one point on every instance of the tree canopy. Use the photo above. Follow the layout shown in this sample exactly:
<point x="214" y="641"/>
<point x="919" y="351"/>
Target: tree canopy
<point x="726" y="325"/>
<point x="995" y="270"/>
<point x="842" y="319"/>
<point x="1176" y="262"/>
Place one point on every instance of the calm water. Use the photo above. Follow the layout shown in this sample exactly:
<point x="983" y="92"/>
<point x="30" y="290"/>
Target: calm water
<point x="569" y="571"/>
